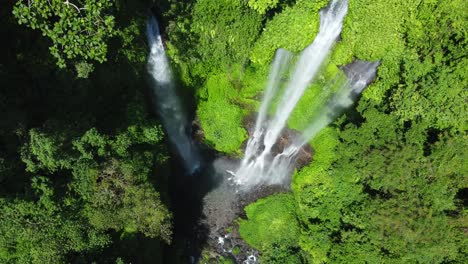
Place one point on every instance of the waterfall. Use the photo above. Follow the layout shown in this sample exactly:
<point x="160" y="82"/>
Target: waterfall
<point x="254" y="165"/>
<point x="359" y="77"/>
<point x="167" y="103"/>
<point x="280" y="63"/>
<point x="258" y="165"/>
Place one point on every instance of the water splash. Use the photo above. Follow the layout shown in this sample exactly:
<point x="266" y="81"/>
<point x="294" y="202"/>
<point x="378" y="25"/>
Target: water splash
<point x="259" y="166"/>
<point x="167" y="102"/>
<point x="256" y="163"/>
<point x="279" y="66"/>
<point x="362" y="74"/>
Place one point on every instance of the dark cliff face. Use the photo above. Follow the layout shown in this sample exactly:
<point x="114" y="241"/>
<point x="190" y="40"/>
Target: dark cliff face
<point x="305" y="154"/>
<point x="287" y="136"/>
<point x="354" y="71"/>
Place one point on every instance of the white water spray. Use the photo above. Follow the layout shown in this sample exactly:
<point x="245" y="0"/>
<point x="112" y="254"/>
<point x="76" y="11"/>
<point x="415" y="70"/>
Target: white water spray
<point x="310" y="61"/>
<point x="167" y="102"/>
<point x="280" y="63"/>
<point x="258" y="165"/>
<point x="258" y="157"/>
<point x="360" y="74"/>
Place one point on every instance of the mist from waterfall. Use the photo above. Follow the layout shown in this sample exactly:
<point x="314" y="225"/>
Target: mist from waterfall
<point x="167" y="102"/>
<point x="259" y="166"/>
<point x="359" y="77"/>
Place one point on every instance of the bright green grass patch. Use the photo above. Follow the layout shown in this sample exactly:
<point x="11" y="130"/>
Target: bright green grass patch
<point x="254" y="81"/>
<point x="220" y="115"/>
<point x="222" y="124"/>
<point x="293" y="29"/>
<point x="324" y="145"/>
<point x="270" y="220"/>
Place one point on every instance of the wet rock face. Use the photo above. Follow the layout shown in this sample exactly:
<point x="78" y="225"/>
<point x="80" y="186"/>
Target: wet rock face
<point x="305" y="154"/>
<point x="198" y="134"/>
<point x="360" y="74"/>
<point x="354" y="69"/>
<point x="224" y="203"/>
<point x="222" y="206"/>
<point x="287" y="136"/>
<point x="304" y="157"/>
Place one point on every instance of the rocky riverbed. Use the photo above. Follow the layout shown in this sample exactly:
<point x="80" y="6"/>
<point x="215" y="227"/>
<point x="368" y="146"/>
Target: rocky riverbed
<point x="214" y="234"/>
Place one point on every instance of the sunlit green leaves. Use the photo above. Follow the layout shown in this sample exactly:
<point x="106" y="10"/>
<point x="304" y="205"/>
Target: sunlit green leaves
<point x="44" y="152"/>
<point x="78" y="30"/>
<point x="272" y="227"/>
<point x="226" y="31"/>
<point x="221" y="116"/>
<point x="42" y="232"/>
<point x="261" y="6"/>
<point x="293" y="29"/>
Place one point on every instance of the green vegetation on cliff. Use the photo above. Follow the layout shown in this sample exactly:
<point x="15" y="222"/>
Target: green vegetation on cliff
<point x="82" y="163"/>
<point x="387" y="180"/>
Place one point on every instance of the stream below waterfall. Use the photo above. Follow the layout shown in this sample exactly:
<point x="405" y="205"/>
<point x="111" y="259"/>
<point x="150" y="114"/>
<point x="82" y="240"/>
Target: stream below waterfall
<point x="204" y="203"/>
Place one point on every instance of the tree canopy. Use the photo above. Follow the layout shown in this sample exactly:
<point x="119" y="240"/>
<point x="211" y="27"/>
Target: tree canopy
<point x="84" y="162"/>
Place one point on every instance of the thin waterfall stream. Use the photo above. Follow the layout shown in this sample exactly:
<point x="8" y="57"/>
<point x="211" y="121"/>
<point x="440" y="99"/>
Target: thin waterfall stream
<point x="167" y="102"/>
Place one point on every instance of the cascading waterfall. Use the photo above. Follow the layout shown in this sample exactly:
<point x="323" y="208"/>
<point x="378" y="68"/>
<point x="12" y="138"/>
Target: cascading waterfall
<point x="258" y="157"/>
<point x="258" y="165"/>
<point x="360" y="74"/>
<point x="168" y="104"/>
<point x="280" y="63"/>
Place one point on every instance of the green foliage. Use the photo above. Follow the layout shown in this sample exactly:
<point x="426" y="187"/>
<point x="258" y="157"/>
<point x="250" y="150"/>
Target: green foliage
<point x="272" y="227"/>
<point x="437" y="36"/>
<point x="110" y="174"/>
<point x="377" y="190"/>
<point x="224" y="260"/>
<point x="120" y="203"/>
<point x="281" y="253"/>
<point x="220" y="116"/>
<point x="226" y="30"/>
<point x="44" y="152"/>
<point x="383" y="201"/>
<point x="293" y="29"/>
<point x="374" y="30"/>
<point x="222" y="126"/>
<point x="324" y="145"/>
<point x="261" y="6"/>
<point x="236" y="250"/>
<point x="43" y="231"/>
<point x="77" y="31"/>
<point x="84" y="69"/>
<point x="68" y="129"/>
<point x="211" y="46"/>
<point x="131" y="36"/>
<point x="386" y="183"/>
<point x="92" y="140"/>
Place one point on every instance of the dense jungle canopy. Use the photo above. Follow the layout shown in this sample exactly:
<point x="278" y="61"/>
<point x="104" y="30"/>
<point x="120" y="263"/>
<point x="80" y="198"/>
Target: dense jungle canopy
<point x="85" y="162"/>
